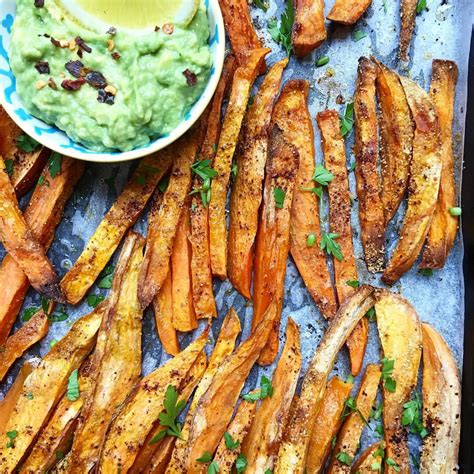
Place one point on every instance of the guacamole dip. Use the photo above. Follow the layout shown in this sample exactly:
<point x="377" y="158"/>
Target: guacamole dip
<point x="108" y="91"/>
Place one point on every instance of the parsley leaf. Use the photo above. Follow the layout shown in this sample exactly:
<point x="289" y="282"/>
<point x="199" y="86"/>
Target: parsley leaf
<point x="322" y="61"/>
<point x="173" y="408"/>
<point x="240" y="463"/>
<point x="58" y="316"/>
<point x="163" y="184"/>
<point x="426" y="272"/>
<point x="370" y="315"/>
<point x="358" y="35"/>
<point x="347" y="120"/>
<point x="54" y="164"/>
<point x="28" y="313"/>
<point x="205" y="457"/>
<point x="9" y="167"/>
<point x="344" y="458"/>
<point x="317" y="190"/>
<point x="412" y="417"/>
<point x="279" y="195"/>
<point x="106" y="277"/>
<point x="387" y="369"/>
<point x="27" y="144"/>
<point x="72" y="393"/>
<point x="233" y="171"/>
<point x="203" y="169"/>
<point x="11" y="435"/>
<point x="29" y="396"/>
<point x="379" y="430"/>
<point x="213" y="468"/>
<point x="266" y="390"/>
<point x="421" y="6"/>
<point x="229" y="441"/>
<point x="333" y="441"/>
<point x="281" y="31"/>
<point x="392" y="463"/>
<point x="376" y="413"/>
<point x="94" y="300"/>
<point x="353" y="283"/>
<point x="262" y="4"/>
<point x="331" y="247"/>
<point x="322" y="176"/>
<point x="350" y="406"/>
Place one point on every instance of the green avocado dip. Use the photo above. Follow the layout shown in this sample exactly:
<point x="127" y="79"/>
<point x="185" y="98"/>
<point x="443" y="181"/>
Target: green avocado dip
<point x="107" y="91"/>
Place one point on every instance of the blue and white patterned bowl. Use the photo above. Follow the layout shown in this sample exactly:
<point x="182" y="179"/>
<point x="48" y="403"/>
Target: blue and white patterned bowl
<point x="57" y="140"/>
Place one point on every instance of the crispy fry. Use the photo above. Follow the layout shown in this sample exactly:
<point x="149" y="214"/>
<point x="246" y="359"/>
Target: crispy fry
<point x="243" y="79"/>
<point x="400" y="337"/>
<point x="425" y="172"/>
<point x="293" y="450"/>
<point x="291" y="114"/>
<point x="371" y="212"/>
<point x="203" y="296"/>
<point x="348" y="12"/>
<point x="261" y="444"/>
<point x="370" y="458"/>
<point x="246" y="195"/>
<point x="119" y="219"/>
<point x="340" y="223"/>
<point x="42" y="216"/>
<point x="351" y="431"/>
<point x="118" y="363"/>
<point x="327" y="423"/>
<point x="444" y="226"/>
<point x="407" y="26"/>
<point x="441" y="405"/>
<point x="309" y="30"/>
<point x="47" y="383"/>
<point x="396" y="138"/>
<point x="32" y="332"/>
<point x="135" y="419"/>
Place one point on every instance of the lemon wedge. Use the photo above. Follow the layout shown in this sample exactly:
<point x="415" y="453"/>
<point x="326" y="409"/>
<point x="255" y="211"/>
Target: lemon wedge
<point x="135" y="16"/>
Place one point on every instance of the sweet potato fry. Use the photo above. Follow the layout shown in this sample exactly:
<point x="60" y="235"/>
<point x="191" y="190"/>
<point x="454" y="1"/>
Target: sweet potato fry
<point x="293" y="450"/>
<point x="396" y="138"/>
<point x="118" y="364"/>
<point x="261" y="444"/>
<point x="371" y="458"/>
<point x="425" y="172"/>
<point x="309" y="30"/>
<point x="348" y="12"/>
<point x="327" y="423"/>
<point x="407" y="26"/>
<point x="351" y="431"/>
<point x="119" y="219"/>
<point x="243" y="79"/>
<point x="32" y="332"/>
<point x="291" y="114"/>
<point x="371" y="212"/>
<point x="136" y="418"/>
<point x="42" y="215"/>
<point x="441" y="404"/>
<point x="340" y="223"/>
<point x="273" y="236"/>
<point x="246" y="195"/>
<point x="47" y="383"/>
<point x="203" y="296"/>
<point x="400" y="336"/>
<point x="444" y="226"/>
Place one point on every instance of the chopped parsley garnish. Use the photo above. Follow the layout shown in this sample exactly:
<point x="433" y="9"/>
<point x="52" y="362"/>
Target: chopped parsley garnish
<point x="454" y="211"/>
<point x="358" y="35"/>
<point x="28" y="313"/>
<point x="9" y="167"/>
<point x="281" y="31"/>
<point x="333" y="441"/>
<point x="310" y="240"/>
<point x="11" y="436"/>
<point x="54" y="164"/>
<point x="318" y="190"/>
<point x="233" y="171"/>
<point x="230" y="442"/>
<point x="350" y="406"/>
<point x="203" y="169"/>
<point x="353" y="283"/>
<point x="29" y="395"/>
<point x="379" y="430"/>
<point x="169" y="416"/>
<point x="45" y="305"/>
<point x="52" y="343"/>
<point x="371" y="315"/>
<point x="412" y="417"/>
<point x="27" y="144"/>
<point x="163" y="184"/>
<point x="344" y="458"/>
<point x="322" y="176"/>
<point x="205" y="457"/>
<point x="427" y="272"/>
<point x="421" y="6"/>
<point x="376" y="413"/>
<point x="42" y="181"/>
<point x="279" y="195"/>
<point x="58" y="316"/>
<point x="266" y="390"/>
<point x="240" y="463"/>
<point x="331" y="247"/>
<point x="322" y="61"/>
<point x="213" y="468"/>
<point x="347" y="120"/>
<point x="94" y="300"/>
<point x="387" y="369"/>
<point x="106" y="277"/>
<point x="262" y="4"/>
<point x="353" y="166"/>
<point x="390" y="462"/>
<point x="72" y="393"/>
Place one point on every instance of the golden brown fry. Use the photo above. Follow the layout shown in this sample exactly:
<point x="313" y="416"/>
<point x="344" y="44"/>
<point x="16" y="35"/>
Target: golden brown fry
<point x="293" y="450"/>
<point x="291" y="114"/>
<point x="273" y="236"/>
<point x="407" y="26"/>
<point x="340" y="223"/>
<point x="444" y="226"/>
<point x="30" y="333"/>
<point x="203" y="296"/>
<point x="246" y="195"/>
<point x="261" y="444"/>
<point x="47" y="384"/>
<point x="348" y="12"/>
<point x="351" y="431"/>
<point x="309" y="30"/>
<point x="400" y="336"/>
<point x="119" y="219"/>
<point x="425" y="172"/>
<point x="441" y="405"/>
<point x="243" y="79"/>
<point x="371" y="458"/>
<point x="42" y="216"/>
<point x="327" y="423"/>
<point x="136" y="418"/>
<point x="117" y="364"/>
<point x="371" y="212"/>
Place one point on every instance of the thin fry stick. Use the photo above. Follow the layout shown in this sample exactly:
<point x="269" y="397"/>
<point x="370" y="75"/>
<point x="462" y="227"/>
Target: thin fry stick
<point x="347" y="12"/>
<point x="309" y="30"/>
<point x="407" y="26"/>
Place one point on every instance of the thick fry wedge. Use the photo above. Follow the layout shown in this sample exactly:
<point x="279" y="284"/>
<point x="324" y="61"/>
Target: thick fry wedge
<point x="370" y="459"/>
<point x="214" y="409"/>
<point x="400" y="335"/>
<point x="425" y="172"/>
<point x="291" y="114"/>
<point x="293" y="450"/>
<point x="260" y="446"/>
<point x="42" y="216"/>
<point x="348" y="12"/>
<point x="340" y="223"/>
<point x="441" y="405"/>
<point x="243" y="79"/>
<point x="118" y="363"/>
<point x="371" y="212"/>
<point x="309" y="30"/>
<point x="136" y="418"/>
<point x="444" y="226"/>
<point x="246" y="194"/>
<point x="407" y="26"/>
<point x="47" y="384"/>
<point x="32" y="332"/>
<point x="203" y="296"/>
<point x="327" y="423"/>
<point x="351" y="431"/>
<point x="119" y="219"/>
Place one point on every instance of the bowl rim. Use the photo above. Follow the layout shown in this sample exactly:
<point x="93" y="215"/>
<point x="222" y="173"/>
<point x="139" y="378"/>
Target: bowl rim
<point x="158" y="144"/>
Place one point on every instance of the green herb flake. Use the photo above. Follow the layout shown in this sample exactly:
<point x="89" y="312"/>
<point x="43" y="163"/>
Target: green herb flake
<point x="213" y="468"/>
<point x="376" y="412"/>
<point x="390" y="462"/>
<point x="141" y="180"/>
<point x="376" y="466"/>
<point x="9" y="167"/>
<point x="371" y="315"/>
<point x="94" y="300"/>
<point x="58" y="316"/>
<point x="330" y="246"/>
<point x="106" y="277"/>
<point x="11" y="436"/>
<point x="28" y="313"/>
<point x="59" y="455"/>
<point x="29" y="395"/>
<point x="311" y="240"/>
<point x="333" y="442"/>
<point x="173" y="407"/>
<point x="202" y="168"/>
<point x="347" y="120"/>
<point x="421" y="6"/>
<point x="353" y="283"/>
<point x="358" y="35"/>
<point x="455" y="211"/>
<point x="379" y="430"/>
<point x="427" y="272"/>
<point x="72" y="393"/>
<point x="233" y="171"/>
<point x="412" y="417"/>
<point x="322" y="61"/>
<point x="163" y="184"/>
<point x="205" y="457"/>
<point x="54" y="164"/>
<point x="52" y="343"/>
<point x="350" y="379"/>
<point x="322" y="176"/>
<point x="240" y="463"/>
<point x="230" y="442"/>
<point x="344" y="458"/>
<point x="27" y="144"/>
<point x="266" y="390"/>
<point x="387" y="369"/>
<point x="316" y="190"/>
<point x="43" y="181"/>
<point x="281" y="31"/>
<point x="279" y="196"/>
<point x="262" y="4"/>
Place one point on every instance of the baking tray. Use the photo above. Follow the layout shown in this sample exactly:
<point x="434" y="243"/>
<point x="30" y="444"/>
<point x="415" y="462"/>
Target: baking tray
<point x="441" y="32"/>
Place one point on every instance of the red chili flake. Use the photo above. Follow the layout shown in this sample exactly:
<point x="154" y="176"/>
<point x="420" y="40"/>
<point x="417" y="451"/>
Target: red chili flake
<point x="42" y="67"/>
<point x="168" y="28"/>
<point x="74" y="68"/>
<point x="105" y="97"/>
<point x="75" y="85"/>
<point x="39" y="3"/>
<point x="82" y="45"/>
<point x="111" y="31"/>
<point x="96" y="79"/>
<point x="52" y="84"/>
<point x="115" y="56"/>
<point x="191" y="78"/>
